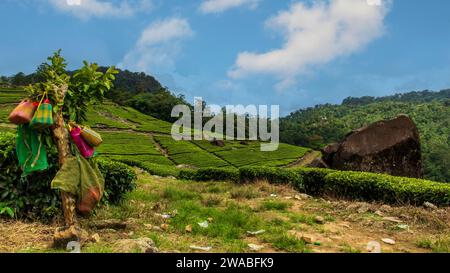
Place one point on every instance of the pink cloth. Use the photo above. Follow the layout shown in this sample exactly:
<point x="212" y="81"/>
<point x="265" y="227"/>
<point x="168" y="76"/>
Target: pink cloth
<point x="84" y="148"/>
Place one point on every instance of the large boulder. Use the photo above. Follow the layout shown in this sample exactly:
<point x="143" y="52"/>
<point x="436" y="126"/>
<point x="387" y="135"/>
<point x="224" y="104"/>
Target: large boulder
<point x="390" y="146"/>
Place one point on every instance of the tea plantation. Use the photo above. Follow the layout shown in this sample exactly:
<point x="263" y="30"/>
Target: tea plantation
<point x="130" y="136"/>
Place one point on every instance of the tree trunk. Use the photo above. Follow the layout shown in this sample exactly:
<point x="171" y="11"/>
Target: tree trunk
<point x="61" y="136"/>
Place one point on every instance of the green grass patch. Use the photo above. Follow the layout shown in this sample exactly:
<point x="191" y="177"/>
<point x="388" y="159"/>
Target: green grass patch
<point x="244" y="192"/>
<point x="275" y="205"/>
<point x="439" y="245"/>
<point x="174" y="194"/>
<point x="302" y="218"/>
<point x="287" y="243"/>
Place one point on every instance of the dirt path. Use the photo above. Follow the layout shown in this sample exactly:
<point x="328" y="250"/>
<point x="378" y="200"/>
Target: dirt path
<point x="305" y="160"/>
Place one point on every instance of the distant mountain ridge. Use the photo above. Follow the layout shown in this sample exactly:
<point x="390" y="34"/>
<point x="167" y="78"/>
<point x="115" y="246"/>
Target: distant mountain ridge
<point x="414" y="96"/>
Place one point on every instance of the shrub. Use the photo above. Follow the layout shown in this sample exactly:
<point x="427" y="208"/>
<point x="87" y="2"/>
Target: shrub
<point x="152" y="168"/>
<point x="29" y="195"/>
<point x="313" y="181"/>
<point x="217" y="174"/>
<point x="390" y="189"/>
<point x="187" y="174"/>
<point x="211" y="174"/>
<point x="119" y="179"/>
<point x="32" y="197"/>
<point x="272" y="175"/>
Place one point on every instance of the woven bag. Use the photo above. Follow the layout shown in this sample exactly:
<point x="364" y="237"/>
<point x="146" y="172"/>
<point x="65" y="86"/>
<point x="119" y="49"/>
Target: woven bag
<point x="23" y="113"/>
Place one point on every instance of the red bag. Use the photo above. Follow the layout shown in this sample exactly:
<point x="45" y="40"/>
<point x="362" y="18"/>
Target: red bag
<point x="23" y="113"/>
<point x="89" y="200"/>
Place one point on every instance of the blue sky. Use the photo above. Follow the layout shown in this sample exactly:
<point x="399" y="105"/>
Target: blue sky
<point x="292" y="53"/>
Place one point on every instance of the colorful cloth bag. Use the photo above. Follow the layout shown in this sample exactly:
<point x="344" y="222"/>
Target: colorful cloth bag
<point x="91" y="137"/>
<point x="84" y="148"/>
<point x="23" y="113"/>
<point x="30" y="150"/>
<point x="43" y="117"/>
<point x="81" y="177"/>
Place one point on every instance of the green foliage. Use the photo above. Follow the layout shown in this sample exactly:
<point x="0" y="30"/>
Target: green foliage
<point x="115" y="116"/>
<point x="274" y="205"/>
<point x="158" y="104"/>
<point x="252" y="155"/>
<point x="31" y="196"/>
<point x="318" y="126"/>
<point x="272" y="175"/>
<point x="122" y="146"/>
<point x="211" y="174"/>
<point x="86" y="86"/>
<point x="441" y="244"/>
<point x="187" y="174"/>
<point x="390" y="189"/>
<point x="119" y="178"/>
<point x="313" y="181"/>
<point x="354" y="185"/>
<point x="153" y="169"/>
<point x="187" y="153"/>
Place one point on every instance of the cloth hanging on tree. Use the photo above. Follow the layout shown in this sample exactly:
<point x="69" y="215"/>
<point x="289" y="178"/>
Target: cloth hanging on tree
<point x="81" y="177"/>
<point x="23" y="113"/>
<point x="93" y="138"/>
<point x="30" y="150"/>
<point x="83" y="147"/>
<point x="43" y="117"/>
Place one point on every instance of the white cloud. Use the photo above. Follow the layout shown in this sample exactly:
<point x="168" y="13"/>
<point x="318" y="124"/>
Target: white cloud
<point x="314" y="34"/>
<point x="218" y="6"/>
<point x="85" y="9"/>
<point x="158" y="46"/>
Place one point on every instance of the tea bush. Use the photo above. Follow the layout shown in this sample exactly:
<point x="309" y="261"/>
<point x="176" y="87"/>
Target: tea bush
<point x="211" y="174"/>
<point x="313" y="180"/>
<point x="390" y="189"/>
<point x="353" y="185"/>
<point x="272" y="175"/>
<point x="32" y="197"/>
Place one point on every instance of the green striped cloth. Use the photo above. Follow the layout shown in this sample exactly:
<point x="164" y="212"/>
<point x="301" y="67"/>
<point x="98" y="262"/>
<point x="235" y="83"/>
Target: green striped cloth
<point x="43" y="117"/>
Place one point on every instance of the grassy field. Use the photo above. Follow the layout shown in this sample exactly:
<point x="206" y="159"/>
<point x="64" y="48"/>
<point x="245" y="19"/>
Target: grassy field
<point x="290" y="222"/>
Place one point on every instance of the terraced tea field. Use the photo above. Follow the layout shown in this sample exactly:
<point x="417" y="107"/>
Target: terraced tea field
<point x="132" y="136"/>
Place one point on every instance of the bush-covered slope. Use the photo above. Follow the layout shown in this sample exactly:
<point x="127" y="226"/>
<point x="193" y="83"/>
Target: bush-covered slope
<point x="324" y="124"/>
<point x="142" y="140"/>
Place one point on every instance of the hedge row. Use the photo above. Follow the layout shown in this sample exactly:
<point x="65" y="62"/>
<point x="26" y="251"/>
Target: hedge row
<point x="272" y="175"/>
<point x="353" y="185"/>
<point x="390" y="189"/>
<point x="32" y="197"/>
<point x="152" y="168"/>
<point x="208" y="174"/>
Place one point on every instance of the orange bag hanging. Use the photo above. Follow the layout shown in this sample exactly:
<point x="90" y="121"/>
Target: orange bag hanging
<point x="23" y="113"/>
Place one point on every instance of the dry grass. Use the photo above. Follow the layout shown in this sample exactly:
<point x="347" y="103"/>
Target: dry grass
<point x="22" y="236"/>
<point x="332" y="225"/>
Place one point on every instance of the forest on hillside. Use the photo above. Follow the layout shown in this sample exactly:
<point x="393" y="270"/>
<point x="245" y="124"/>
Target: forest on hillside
<point x="135" y="89"/>
<point x="318" y="126"/>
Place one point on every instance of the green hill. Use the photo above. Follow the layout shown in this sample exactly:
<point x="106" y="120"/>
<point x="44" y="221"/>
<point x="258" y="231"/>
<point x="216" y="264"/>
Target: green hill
<point x="139" y="139"/>
<point x="323" y="124"/>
